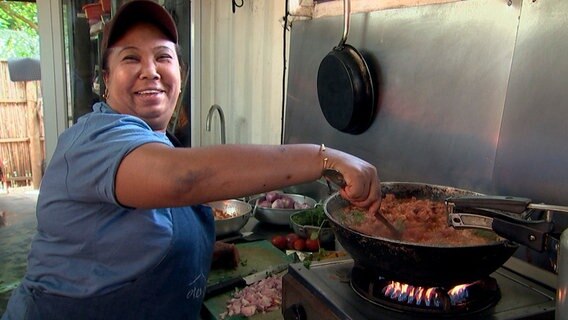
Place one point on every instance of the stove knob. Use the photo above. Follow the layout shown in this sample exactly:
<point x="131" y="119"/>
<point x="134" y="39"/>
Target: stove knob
<point x="295" y="312"/>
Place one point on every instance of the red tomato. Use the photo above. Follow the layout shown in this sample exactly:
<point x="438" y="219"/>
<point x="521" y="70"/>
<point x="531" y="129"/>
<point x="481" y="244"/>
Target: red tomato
<point x="291" y="238"/>
<point x="312" y="245"/>
<point x="279" y="242"/>
<point x="300" y="244"/>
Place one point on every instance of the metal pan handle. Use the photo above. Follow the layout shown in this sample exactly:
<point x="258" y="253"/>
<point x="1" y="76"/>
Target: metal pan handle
<point x="532" y="234"/>
<point x="503" y="203"/>
<point x="346" y="17"/>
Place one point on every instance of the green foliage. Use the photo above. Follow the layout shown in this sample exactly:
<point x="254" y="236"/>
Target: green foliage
<point x="310" y="217"/>
<point x="16" y="44"/>
<point x="18" y="30"/>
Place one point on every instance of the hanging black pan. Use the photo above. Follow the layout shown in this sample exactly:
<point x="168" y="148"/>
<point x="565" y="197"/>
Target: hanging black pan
<point x="345" y="87"/>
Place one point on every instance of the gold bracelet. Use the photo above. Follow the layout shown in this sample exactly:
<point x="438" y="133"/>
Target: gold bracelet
<point x="325" y="159"/>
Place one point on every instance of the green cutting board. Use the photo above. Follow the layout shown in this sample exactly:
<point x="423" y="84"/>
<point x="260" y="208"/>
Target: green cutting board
<point x="255" y="256"/>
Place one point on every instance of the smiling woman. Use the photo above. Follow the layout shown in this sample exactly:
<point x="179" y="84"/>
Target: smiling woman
<point x="122" y="232"/>
<point x="143" y="77"/>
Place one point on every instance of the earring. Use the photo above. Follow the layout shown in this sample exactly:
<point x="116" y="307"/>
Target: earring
<point x="105" y="94"/>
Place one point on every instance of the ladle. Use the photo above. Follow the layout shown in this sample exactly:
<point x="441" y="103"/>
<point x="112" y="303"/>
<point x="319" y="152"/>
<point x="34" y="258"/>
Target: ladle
<point x="337" y="178"/>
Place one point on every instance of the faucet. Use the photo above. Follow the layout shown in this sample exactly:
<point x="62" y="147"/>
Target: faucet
<point x="221" y="117"/>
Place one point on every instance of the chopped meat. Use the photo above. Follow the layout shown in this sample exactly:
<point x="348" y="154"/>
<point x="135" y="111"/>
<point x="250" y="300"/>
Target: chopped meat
<point x="421" y="221"/>
<point x="260" y="297"/>
<point x="221" y="214"/>
<point x="225" y="256"/>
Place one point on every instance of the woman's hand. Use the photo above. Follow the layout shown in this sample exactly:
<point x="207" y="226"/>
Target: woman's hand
<point x="363" y="187"/>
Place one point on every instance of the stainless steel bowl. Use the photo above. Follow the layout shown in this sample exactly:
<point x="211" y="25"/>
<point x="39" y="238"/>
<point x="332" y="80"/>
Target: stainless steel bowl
<point x="325" y="233"/>
<point x="239" y="211"/>
<point x="278" y="216"/>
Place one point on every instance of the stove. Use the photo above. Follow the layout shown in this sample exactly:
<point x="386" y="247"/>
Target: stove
<point x="340" y="290"/>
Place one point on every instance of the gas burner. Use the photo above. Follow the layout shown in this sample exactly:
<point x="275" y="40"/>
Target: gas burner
<point x="462" y="299"/>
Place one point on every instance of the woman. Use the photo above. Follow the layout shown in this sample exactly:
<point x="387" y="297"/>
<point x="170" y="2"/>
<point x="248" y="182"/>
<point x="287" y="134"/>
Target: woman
<point x="121" y="233"/>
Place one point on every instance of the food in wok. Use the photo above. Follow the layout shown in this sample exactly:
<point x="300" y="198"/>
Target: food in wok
<point x="419" y="264"/>
<point x="421" y="221"/>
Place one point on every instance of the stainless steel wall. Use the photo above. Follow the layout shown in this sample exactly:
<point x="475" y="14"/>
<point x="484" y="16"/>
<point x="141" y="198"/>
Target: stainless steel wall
<point x="470" y="94"/>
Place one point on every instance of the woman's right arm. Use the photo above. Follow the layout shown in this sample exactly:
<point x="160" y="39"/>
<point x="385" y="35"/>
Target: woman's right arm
<point x="154" y="175"/>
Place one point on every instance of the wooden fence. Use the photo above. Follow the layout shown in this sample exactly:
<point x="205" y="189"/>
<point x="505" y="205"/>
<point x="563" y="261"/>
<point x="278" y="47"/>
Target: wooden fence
<point x="22" y="144"/>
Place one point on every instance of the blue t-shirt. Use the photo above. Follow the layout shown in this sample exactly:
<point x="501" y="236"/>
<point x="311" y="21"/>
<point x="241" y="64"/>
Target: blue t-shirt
<point x="87" y="243"/>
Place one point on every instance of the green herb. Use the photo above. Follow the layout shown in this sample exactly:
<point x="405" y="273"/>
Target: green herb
<point x="399" y="225"/>
<point x="357" y="217"/>
<point x="351" y="217"/>
<point x="341" y="216"/>
<point x="316" y="256"/>
<point x="311" y="217"/>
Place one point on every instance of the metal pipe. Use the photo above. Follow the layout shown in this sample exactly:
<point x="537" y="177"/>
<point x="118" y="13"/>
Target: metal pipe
<point x="212" y="110"/>
<point x="346" y="18"/>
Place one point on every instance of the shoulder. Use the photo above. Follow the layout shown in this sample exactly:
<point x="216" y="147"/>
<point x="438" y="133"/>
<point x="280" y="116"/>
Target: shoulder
<point x="103" y="125"/>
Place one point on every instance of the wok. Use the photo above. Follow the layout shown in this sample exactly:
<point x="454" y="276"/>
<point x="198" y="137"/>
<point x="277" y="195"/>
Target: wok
<point x="418" y="264"/>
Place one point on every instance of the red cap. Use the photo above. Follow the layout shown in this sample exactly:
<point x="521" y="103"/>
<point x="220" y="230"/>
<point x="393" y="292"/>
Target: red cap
<point x="136" y="11"/>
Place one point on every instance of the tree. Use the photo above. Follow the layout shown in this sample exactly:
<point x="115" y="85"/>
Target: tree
<point x="18" y="30"/>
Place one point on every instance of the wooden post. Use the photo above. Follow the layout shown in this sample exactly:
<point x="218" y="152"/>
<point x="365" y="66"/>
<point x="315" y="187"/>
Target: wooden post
<point x="33" y="133"/>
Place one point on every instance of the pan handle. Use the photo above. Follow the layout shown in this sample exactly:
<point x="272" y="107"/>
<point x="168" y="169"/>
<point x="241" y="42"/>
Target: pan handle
<point x="346" y="17"/>
<point x="532" y="234"/>
<point x="503" y="203"/>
